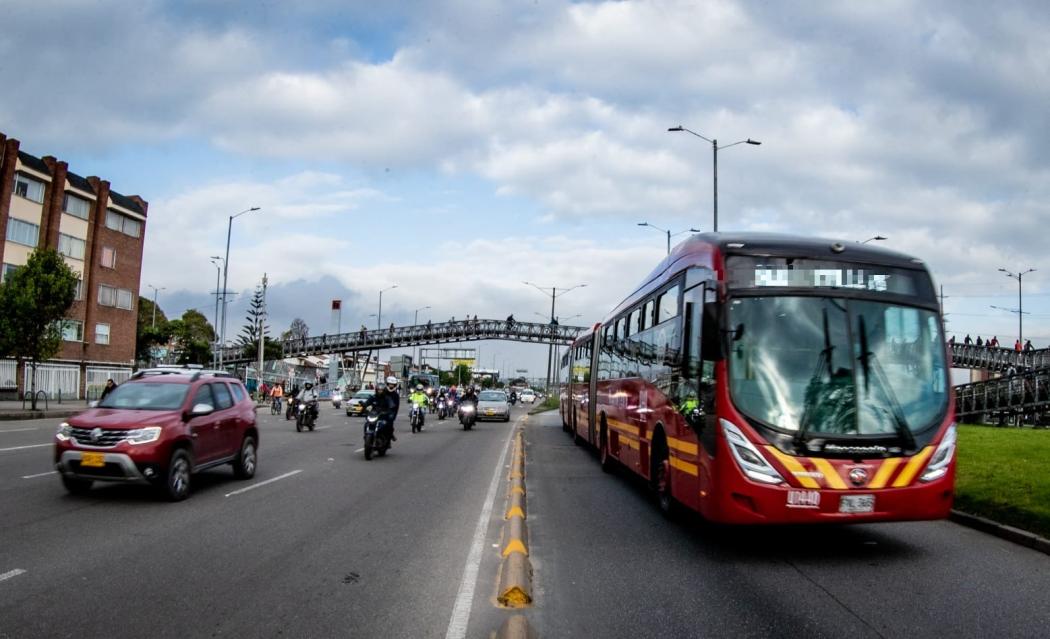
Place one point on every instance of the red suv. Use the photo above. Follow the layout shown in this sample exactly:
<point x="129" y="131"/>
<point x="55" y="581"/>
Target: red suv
<point x="160" y="427"/>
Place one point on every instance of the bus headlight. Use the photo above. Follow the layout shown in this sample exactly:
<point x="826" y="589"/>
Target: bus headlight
<point x="748" y="458"/>
<point x="942" y="457"/>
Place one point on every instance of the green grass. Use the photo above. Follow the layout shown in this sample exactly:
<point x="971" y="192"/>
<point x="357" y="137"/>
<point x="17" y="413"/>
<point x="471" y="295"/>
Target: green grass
<point x="1004" y="474"/>
<point x="551" y="403"/>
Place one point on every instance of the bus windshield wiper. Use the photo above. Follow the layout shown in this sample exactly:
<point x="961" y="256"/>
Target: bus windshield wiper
<point x="870" y="365"/>
<point x="823" y="364"/>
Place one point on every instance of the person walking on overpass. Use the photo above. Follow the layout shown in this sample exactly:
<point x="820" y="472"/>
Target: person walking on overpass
<point x="967" y="340"/>
<point x="994" y="343"/>
<point x="1017" y="345"/>
<point x="980" y="342"/>
<point x="1028" y="348"/>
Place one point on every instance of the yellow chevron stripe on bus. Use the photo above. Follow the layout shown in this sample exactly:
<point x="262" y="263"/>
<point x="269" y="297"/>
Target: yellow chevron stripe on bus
<point x="883" y="474"/>
<point x="794" y="467"/>
<point x="684" y="466"/>
<point x="831" y="476"/>
<point x="915" y="464"/>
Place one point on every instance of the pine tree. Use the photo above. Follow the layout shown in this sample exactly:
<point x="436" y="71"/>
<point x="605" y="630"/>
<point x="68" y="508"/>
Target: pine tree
<point x="254" y="319"/>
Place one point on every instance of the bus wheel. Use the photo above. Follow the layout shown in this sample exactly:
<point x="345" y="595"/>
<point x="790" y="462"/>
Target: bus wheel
<point x="661" y="480"/>
<point x="604" y="458"/>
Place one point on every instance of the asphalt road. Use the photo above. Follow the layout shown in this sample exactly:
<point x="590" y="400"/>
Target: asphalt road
<point x="325" y="544"/>
<point x="608" y="564"/>
<point x="332" y="546"/>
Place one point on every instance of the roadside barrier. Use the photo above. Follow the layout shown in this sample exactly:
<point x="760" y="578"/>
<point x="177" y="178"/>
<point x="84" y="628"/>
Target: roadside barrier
<point x="515" y="580"/>
<point x="516" y="627"/>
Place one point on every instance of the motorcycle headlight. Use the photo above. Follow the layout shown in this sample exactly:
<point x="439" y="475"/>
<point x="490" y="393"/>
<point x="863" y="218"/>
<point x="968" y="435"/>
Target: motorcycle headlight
<point x="64" y="433"/>
<point x="467" y="408"/>
<point x="144" y="435"/>
<point x="941" y="458"/>
<point x="748" y="458"/>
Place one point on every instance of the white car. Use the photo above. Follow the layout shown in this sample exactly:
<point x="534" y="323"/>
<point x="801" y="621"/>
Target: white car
<point x="527" y="396"/>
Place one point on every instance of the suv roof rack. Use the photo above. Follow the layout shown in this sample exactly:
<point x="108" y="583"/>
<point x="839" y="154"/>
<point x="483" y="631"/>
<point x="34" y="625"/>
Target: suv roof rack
<point x="196" y="369"/>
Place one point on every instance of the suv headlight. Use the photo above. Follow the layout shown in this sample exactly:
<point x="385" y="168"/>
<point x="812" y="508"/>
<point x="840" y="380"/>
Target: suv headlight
<point x="64" y="433"/>
<point x="942" y="457"/>
<point x="144" y="435"/>
<point x="748" y="458"/>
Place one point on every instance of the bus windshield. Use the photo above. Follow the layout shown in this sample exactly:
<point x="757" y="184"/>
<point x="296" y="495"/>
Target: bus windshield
<point x="824" y="366"/>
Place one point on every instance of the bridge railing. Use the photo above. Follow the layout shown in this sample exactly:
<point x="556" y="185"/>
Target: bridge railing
<point x="421" y="334"/>
<point x="998" y="359"/>
<point x="1021" y="394"/>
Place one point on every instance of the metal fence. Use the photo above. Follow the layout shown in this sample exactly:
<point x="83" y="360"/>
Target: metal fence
<point x="56" y="380"/>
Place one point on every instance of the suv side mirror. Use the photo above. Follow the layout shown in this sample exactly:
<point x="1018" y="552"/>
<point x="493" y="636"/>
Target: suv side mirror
<point x="201" y="409"/>
<point x="93" y="404"/>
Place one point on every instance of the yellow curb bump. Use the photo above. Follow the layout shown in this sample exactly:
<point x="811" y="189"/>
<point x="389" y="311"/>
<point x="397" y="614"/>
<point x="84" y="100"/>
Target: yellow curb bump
<point x="515" y="547"/>
<point x="517" y="485"/>
<point x="515" y="581"/>
<point x="517" y="500"/>
<point x="515" y="511"/>
<point x="516" y="627"/>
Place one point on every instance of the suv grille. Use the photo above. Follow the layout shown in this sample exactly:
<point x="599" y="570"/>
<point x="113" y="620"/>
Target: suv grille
<point x="108" y="439"/>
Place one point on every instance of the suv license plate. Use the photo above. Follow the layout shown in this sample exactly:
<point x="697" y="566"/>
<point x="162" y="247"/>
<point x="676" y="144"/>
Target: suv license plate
<point x="95" y="460"/>
<point x="857" y="504"/>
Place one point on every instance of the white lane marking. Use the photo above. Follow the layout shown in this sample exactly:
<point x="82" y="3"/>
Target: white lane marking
<point x="2" y="450"/>
<point x="359" y="450"/>
<point x="17" y="430"/>
<point x="263" y="483"/>
<point x="11" y="573"/>
<point x="457" y="625"/>
<point x="50" y="472"/>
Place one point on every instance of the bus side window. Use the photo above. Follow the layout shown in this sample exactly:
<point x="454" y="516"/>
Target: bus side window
<point x="687" y="390"/>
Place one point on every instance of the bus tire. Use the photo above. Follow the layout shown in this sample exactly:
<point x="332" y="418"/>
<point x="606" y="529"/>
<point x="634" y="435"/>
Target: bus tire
<point x="605" y="458"/>
<point x="660" y="478"/>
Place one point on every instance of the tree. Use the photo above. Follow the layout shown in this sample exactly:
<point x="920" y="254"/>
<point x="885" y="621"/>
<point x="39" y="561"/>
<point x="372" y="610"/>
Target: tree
<point x="271" y="350"/>
<point x="194" y="335"/>
<point x="458" y="375"/>
<point x="148" y="335"/>
<point x="298" y="330"/>
<point x="255" y="317"/>
<point x="33" y="302"/>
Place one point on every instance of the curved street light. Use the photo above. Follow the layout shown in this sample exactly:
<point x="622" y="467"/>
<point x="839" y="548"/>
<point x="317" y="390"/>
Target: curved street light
<point x="714" y="149"/>
<point x="226" y="274"/>
<point x="1020" y="307"/>
<point x="877" y="238"/>
<point x="669" y="234"/>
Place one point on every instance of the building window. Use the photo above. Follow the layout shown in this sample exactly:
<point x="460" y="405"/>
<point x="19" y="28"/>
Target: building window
<point x="76" y="206"/>
<point x="102" y="333"/>
<point x="124" y="299"/>
<point x="72" y="330"/>
<point x="71" y="246"/>
<point x="8" y="270"/>
<point x="123" y="223"/>
<point x="109" y="257"/>
<point x="29" y="188"/>
<point x="107" y="295"/>
<point x="79" y="295"/>
<point x="22" y="232"/>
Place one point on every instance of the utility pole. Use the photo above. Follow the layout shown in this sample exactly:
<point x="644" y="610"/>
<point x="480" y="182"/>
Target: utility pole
<point x="262" y="333"/>
<point x="1020" y="309"/>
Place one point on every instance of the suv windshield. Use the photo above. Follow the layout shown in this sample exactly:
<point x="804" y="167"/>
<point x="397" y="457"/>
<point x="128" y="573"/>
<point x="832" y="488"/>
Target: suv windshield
<point x="819" y="365"/>
<point x="146" y="396"/>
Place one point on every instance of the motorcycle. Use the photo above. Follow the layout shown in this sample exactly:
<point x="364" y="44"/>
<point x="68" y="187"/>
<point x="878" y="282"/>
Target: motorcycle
<point x="337" y="399"/>
<point x="306" y="415"/>
<point x="290" y="410"/>
<point x="467" y="415"/>
<point x="417" y="417"/>
<point x="513" y="400"/>
<point x="377" y="435"/>
<point x="444" y="406"/>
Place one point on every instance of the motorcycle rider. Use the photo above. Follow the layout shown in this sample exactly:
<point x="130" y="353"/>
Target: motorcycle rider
<point x="386" y="402"/>
<point x="418" y="397"/>
<point x="471" y="395"/>
<point x="309" y="397"/>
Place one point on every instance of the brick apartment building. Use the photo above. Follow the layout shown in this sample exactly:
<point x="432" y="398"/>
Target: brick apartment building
<point x="100" y="233"/>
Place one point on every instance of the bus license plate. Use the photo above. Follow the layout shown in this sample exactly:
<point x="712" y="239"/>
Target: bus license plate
<point x="857" y="504"/>
<point x="95" y="460"/>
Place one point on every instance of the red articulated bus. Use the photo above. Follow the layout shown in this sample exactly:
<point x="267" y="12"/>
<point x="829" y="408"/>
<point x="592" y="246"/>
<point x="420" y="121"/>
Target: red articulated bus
<point x="760" y="378"/>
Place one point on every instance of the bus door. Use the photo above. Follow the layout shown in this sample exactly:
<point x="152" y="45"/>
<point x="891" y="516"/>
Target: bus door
<point x="592" y="386"/>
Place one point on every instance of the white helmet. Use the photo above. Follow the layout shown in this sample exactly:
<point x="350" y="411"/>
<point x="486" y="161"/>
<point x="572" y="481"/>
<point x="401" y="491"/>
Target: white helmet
<point x="391" y="382"/>
<point x="419" y="387"/>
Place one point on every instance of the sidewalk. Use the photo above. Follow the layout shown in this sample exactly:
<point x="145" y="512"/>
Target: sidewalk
<point x="11" y="410"/>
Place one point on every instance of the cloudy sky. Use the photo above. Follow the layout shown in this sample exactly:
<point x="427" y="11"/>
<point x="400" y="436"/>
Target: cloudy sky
<point x="456" y="149"/>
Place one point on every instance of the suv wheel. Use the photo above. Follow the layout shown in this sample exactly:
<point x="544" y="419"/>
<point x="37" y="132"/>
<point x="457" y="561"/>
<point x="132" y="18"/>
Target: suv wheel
<point x="244" y="465"/>
<point x="76" y="486"/>
<point x="177" y="480"/>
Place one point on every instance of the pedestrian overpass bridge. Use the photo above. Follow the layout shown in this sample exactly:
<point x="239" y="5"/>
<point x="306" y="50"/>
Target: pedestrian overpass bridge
<point x="419" y="335"/>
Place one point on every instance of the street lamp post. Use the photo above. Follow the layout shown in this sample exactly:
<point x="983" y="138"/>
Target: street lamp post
<point x="554" y="295"/>
<point x="668" y="232"/>
<point x="379" y="315"/>
<point x="1020" y="308"/>
<point x="226" y="275"/>
<point x="155" y="289"/>
<point x="215" y="326"/>
<point x="415" y="322"/>
<point x="715" y="149"/>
